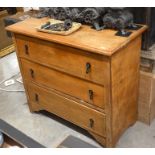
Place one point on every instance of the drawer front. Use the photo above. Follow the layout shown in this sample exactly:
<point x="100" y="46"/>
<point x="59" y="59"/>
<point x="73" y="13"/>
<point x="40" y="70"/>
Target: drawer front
<point x="79" y="63"/>
<point x="68" y="109"/>
<point x="81" y="89"/>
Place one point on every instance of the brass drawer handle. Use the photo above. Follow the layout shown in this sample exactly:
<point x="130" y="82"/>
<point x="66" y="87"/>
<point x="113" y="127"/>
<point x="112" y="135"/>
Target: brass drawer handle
<point x="88" y="67"/>
<point x="91" y="94"/>
<point x="32" y="73"/>
<point x="36" y="98"/>
<point x="26" y="49"/>
<point x="91" y="123"/>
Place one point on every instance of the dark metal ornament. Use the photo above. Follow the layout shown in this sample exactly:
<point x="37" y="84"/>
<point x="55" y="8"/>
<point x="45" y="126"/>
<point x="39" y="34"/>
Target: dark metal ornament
<point x="66" y="25"/>
<point x="99" y="18"/>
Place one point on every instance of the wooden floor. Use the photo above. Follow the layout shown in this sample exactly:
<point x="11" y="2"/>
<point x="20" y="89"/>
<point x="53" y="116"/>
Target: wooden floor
<point x="7" y="50"/>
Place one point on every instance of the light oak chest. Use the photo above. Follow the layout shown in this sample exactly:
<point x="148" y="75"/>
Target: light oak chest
<point x="89" y="78"/>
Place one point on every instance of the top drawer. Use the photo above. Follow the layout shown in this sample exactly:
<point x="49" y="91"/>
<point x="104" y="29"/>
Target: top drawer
<point x="79" y="63"/>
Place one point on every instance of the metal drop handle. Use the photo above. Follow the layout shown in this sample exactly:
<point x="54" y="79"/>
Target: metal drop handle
<point x="26" y="49"/>
<point x="91" y="94"/>
<point x="88" y="67"/>
<point x="36" y="98"/>
<point x="32" y="73"/>
<point x="91" y="123"/>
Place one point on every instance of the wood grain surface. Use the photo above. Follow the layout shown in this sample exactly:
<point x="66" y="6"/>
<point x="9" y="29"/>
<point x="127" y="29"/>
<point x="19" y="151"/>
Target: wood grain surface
<point x="125" y="83"/>
<point x="103" y="42"/>
<point x="146" y="105"/>
<point x="68" y="109"/>
<point x="64" y="83"/>
<point x="66" y="59"/>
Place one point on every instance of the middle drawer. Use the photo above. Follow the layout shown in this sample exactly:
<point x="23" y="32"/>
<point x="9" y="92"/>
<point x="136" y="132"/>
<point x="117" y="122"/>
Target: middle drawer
<point x="75" y="87"/>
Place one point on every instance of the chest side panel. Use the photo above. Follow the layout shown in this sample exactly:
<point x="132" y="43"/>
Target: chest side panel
<point x="125" y="83"/>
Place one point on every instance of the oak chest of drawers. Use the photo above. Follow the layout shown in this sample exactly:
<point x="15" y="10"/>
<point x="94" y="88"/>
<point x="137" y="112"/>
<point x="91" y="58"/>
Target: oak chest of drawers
<point x="89" y="78"/>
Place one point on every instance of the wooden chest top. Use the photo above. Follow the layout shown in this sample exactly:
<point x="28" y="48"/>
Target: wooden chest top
<point x="103" y="42"/>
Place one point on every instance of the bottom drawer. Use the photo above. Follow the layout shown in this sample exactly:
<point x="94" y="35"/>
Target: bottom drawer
<point x="68" y="109"/>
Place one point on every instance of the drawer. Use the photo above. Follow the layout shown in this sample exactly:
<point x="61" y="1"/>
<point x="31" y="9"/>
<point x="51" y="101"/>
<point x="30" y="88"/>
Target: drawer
<point x="70" y="110"/>
<point x="76" y="62"/>
<point x="73" y="86"/>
